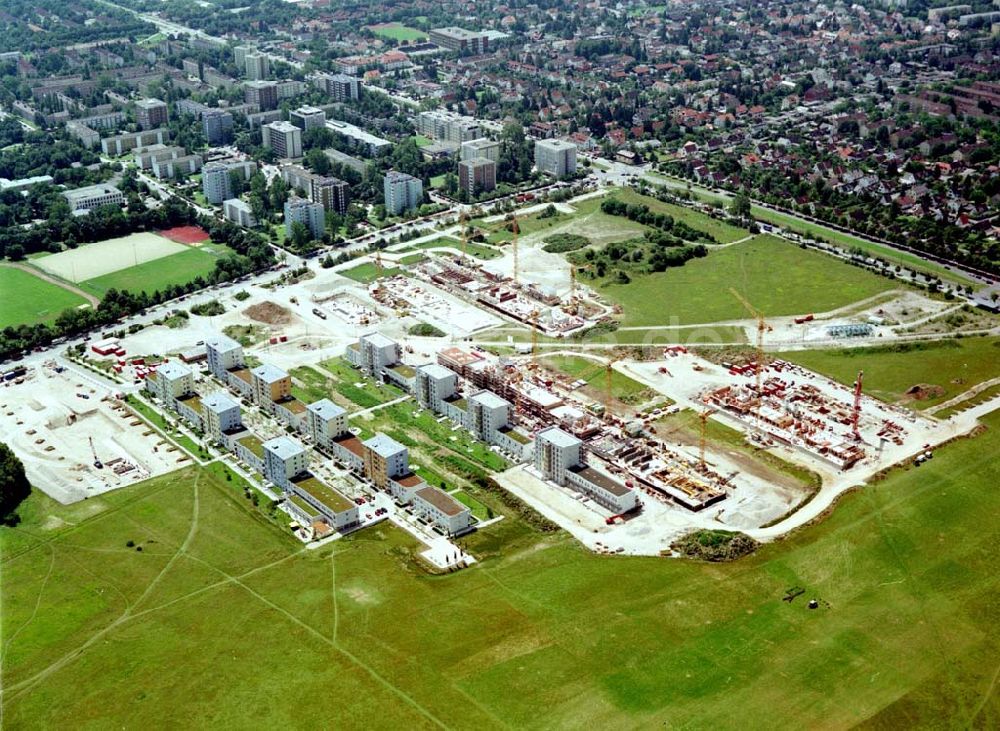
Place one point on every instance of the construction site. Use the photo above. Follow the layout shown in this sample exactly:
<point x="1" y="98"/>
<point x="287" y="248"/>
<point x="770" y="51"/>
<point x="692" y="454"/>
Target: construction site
<point x="631" y="483"/>
<point x="76" y="438"/>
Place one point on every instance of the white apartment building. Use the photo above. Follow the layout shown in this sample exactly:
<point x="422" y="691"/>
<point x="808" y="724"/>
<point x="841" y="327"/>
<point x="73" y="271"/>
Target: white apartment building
<point x="282" y="137"/>
<point x="94" y="196"/>
<point x="325" y="421"/>
<point x="284" y="458"/>
<point x="555" y="157"/>
<point x="402" y="192"/>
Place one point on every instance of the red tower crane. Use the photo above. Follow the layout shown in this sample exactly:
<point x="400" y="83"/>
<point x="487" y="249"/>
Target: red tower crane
<point x="856" y="411"/>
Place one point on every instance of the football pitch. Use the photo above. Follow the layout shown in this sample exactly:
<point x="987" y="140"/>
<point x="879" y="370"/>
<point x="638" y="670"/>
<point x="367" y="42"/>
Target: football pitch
<point x="26" y="299"/>
<point x="223" y="619"/>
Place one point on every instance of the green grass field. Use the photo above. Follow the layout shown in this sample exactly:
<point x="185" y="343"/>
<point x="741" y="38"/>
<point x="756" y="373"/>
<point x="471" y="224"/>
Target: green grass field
<point x="777" y="277"/>
<point x="222" y="618"/>
<point x="177" y="268"/>
<point x="721" y="231"/>
<point x="368" y="272"/>
<point x="27" y="299"/>
<point x="622" y="387"/>
<point x="349" y="387"/>
<point x="477" y="250"/>
<point x="954" y="366"/>
<point x="398" y="32"/>
<point x="987" y="394"/>
<point x="807" y="228"/>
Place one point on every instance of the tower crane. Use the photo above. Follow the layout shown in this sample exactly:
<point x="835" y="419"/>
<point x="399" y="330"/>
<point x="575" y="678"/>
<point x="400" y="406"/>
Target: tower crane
<point x="462" y="222"/>
<point x="856" y="411"/>
<point x="608" y="374"/>
<point x="703" y="418"/>
<point x="762" y="327"/>
<point x="533" y="319"/>
<point x="515" y="229"/>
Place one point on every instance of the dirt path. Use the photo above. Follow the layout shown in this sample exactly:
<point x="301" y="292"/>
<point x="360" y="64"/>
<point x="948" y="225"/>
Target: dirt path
<point x="91" y="299"/>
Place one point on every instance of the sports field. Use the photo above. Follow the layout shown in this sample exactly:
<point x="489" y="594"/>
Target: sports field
<point x="777" y="277"/>
<point x="90" y="261"/>
<point x="224" y="620"/>
<point x="368" y="272"/>
<point x="943" y="368"/>
<point x="177" y="268"/>
<point x="398" y="32"/>
<point x="27" y="299"/>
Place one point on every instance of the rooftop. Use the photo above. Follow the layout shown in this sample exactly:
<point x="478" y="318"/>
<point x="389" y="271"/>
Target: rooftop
<point x="378" y="340"/>
<point x="242" y="373"/>
<point x="557" y="437"/>
<point x="384" y="445"/>
<point x="218" y="401"/>
<point x="323" y="493"/>
<point x="488" y="399"/>
<point x="326" y="409"/>
<point x="600" y="479"/>
<point x="251" y="442"/>
<point x="293" y="405"/>
<point x="436" y="371"/>
<point x="269" y="373"/>
<point x="172" y="370"/>
<point x="441" y="500"/>
<point x="351" y="443"/>
<point x="404" y="370"/>
<point x="410" y="479"/>
<point x="192" y="401"/>
<point x="284" y="447"/>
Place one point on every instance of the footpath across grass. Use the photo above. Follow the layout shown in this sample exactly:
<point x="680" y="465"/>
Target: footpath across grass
<point x="542" y="633"/>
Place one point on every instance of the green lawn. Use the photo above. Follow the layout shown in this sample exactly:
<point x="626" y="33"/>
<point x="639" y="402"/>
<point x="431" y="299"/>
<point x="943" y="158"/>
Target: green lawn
<point x="398" y="32"/>
<point x="721" y="231"/>
<point x="478" y="510"/>
<point x="953" y="366"/>
<point x="423" y="141"/>
<point x="222" y="616"/>
<point x="354" y="388"/>
<point x="777" y="277"/>
<point x="27" y="299"/>
<point x="577" y="368"/>
<point x="814" y="230"/>
<point x="368" y="272"/>
<point x="987" y="394"/>
<point x="473" y="249"/>
<point x="178" y="268"/>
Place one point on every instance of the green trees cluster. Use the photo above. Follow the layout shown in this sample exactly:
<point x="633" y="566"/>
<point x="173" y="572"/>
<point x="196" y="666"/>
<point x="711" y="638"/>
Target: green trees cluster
<point x="14" y="485"/>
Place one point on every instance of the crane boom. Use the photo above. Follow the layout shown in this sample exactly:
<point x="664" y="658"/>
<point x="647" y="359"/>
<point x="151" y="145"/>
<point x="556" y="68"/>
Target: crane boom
<point x="856" y="411"/>
<point x="761" y="364"/>
<point x="515" y="229"/>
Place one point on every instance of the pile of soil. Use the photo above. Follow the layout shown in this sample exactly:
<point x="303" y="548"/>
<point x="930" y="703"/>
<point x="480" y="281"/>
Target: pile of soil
<point x="924" y="391"/>
<point x="270" y="313"/>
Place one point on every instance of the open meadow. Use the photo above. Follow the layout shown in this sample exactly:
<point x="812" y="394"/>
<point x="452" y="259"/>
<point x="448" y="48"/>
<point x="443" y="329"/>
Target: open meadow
<point x="223" y="619"/>
<point x="28" y="299"/>
<point x="776" y="276"/>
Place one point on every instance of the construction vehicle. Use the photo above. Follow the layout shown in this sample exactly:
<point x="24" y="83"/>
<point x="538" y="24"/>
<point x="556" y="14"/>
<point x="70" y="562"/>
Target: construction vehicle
<point x="93" y="451"/>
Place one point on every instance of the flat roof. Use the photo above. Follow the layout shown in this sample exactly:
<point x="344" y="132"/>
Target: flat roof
<point x="517" y="436"/>
<point x="218" y="401"/>
<point x="556" y="436"/>
<point x="601" y="480"/>
<point x="436" y="371"/>
<point x="325" y="494"/>
<point x="489" y="399"/>
<point x="410" y="479"/>
<point x="302" y="505"/>
<point x="251" y="442"/>
<point x="378" y="340"/>
<point x="269" y="373"/>
<point x="326" y="409"/>
<point x="242" y="373"/>
<point x="192" y="401"/>
<point x="90" y="191"/>
<point x="221" y="343"/>
<point x="293" y="405"/>
<point x="284" y="447"/>
<point x="171" y="370"/>
<point x="404" y="370"/>
<point x="441" y="500"/>
<point x="351" y="443"/>
<point x="384" y="445"/>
